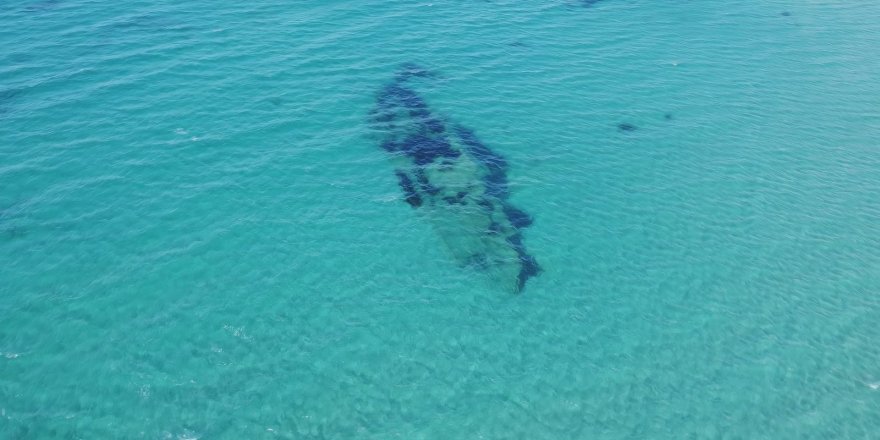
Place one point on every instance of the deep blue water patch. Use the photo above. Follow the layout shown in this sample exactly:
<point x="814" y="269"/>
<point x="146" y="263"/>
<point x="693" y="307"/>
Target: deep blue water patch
<point x="42" y="5"/>
<point x="7" y="96"/>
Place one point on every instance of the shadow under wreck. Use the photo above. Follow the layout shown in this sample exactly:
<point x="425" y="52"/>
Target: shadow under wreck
<point x="459" y="184"/>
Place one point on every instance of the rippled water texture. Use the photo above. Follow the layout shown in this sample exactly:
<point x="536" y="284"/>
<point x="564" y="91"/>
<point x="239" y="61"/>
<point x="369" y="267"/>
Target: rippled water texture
<point x="201" y="238"/>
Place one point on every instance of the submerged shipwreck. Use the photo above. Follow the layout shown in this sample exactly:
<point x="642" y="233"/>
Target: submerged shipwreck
<point x="459" y="184"/>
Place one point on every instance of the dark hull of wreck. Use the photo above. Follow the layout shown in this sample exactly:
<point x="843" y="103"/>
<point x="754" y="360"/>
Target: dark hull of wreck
<point x="456" y="181"/>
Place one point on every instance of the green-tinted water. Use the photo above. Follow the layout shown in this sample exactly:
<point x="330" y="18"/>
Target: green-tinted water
<point x="201" y="238"/>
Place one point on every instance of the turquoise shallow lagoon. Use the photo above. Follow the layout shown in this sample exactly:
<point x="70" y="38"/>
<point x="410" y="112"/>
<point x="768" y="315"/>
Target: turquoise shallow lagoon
<point x="201" y="238"/>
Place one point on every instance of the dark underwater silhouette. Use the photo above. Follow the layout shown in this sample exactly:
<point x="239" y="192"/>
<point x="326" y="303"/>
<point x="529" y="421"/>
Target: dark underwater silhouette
<point x="460" y="184"/>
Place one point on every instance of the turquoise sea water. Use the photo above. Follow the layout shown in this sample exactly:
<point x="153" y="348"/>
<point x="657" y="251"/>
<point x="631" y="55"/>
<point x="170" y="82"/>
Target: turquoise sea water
<point x="200" y="237"/>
